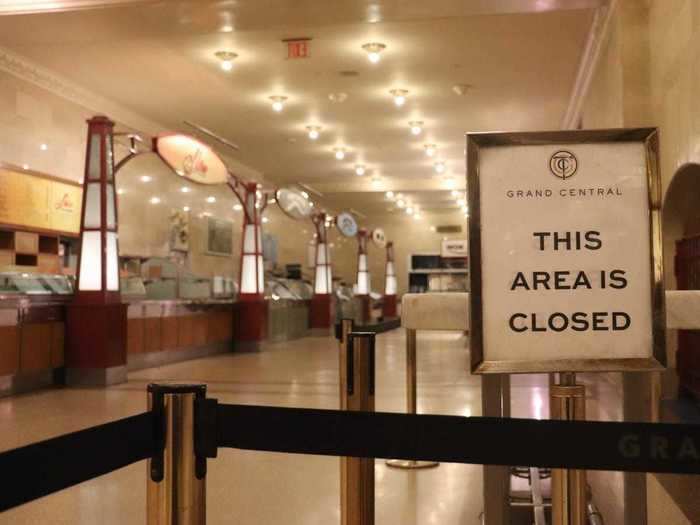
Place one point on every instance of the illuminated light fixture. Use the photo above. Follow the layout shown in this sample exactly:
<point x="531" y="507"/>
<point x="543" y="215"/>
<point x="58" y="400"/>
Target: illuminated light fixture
<point x="278" y="102"/>
<point x="226" y="58"/>
<point x="399" y="96"/>
<point x="409" y="210"/>
<point x="185" y="208"/>
<point x="237" y="207"/>
<point x="430" y="149"/>
<point x="43" y="147"/>
<point x="454" y="193"/>
<point x="373" y="50"/>
<point x="416" y="216"/>
<point x="432" y="228"/>
<point x="305" y="195"/>
<point x="359" y="170"/>
<point x="465" y="209"/>
<point x="155" y="200"/>
<point x="185" y="189"/>
<point x="311" y="203"/>
<point x="228" y="28"/>
<point x="120" y="191"/>
<point x="265" y="220"/>
<point x="389" y="195"/>
<point x="338" y="97"/>
<point x="314" y="131"/>
<point x="400" y="203"/>
<point x="416" y="127"/>
<point x="439" y="167"/>
<point x="461" y="202"/>
<point x="146" y="178"/>
<point x="271" y="201"/>
<point x="376" y="181"/>
<point x="211" y="199"/>
<point x="339" y="153"/>
<point x="25" y="166"/>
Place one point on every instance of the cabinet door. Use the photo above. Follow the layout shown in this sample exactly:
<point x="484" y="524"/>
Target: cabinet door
<point x="57" y="344"/>
<point x="9" y="350"/>
<point x="26" y="242"/>
<point x="35" y="351"/>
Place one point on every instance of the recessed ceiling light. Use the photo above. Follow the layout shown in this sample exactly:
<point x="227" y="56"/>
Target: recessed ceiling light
<point x="338" y="97"/>
<point x="400" y="203"/>
<point x="311" y="203"/>
<point x="185" y="208"/>
<point x="43" y="147"/>
<point x="430" y="149"/>
<point x="278" y="102"/>
<point x="185" y="189"/>
<point x="389" y="195"/>
<point x="376" y="181"/>
<point x="211" y="199"/>
<point x="373" y="50"/>
<point x="155" y="200"/>
<point x="120" y="191"/>
<point x="439" y="167"/>
<point x="359" y="170"/>
<point x="265" y="220"/>
<point x="226" y="59"/>
<point x="228" y="28"/>
<point x="314" y="131"/>
<point x="454" y="193"/>
<point x="25" y="166"/>
<point x="432" y="228"/>
<point x="339" y="153"/>
<point x="399" y="96"/>
<point x="271" y="201"/>
<point x="461" y="89"/>
<point x="409" y="210"/>
<point x="416" y="127"/>
<point x="416" y="216"/>
<point x="237" y="207"/>
<point x="146" y="178"/>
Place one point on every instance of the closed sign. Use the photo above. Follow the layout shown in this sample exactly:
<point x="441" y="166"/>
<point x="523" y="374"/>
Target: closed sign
<point x="566" y="245"/>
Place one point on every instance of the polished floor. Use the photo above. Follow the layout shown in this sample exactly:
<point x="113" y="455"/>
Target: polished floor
<point x="251" y="488"/>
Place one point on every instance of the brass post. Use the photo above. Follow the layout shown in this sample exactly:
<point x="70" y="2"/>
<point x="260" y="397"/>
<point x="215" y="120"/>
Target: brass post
<point x="357" y="474"/>
<point x="411" y="399"/>
<point x="568" y="402"/>
<point x="176" y="481"/>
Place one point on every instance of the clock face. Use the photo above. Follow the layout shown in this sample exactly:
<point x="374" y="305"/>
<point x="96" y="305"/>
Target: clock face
<point x="293" y="203"/>
<point x="346" y="224"/>
<point x="378" y="237"/>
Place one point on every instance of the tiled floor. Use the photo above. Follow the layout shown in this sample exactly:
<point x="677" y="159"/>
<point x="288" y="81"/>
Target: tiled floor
<point x="250" y="488"/>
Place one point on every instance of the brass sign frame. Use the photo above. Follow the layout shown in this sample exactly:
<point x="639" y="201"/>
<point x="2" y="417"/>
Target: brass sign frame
<point x="647" y="136"/>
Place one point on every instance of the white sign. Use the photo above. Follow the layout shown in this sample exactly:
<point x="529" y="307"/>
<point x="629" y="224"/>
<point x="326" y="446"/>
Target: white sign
<point x="346" y="224"/>
<point x="454" y="248"/>
<point x="379" y="238"/>
<point x="191" y="158"/>
<point x="293" y="203"/>
<point x="564" y="239"/>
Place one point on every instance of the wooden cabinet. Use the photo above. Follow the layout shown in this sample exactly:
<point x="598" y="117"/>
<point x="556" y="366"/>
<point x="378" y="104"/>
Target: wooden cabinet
<point x="134" y="336"/>
<point x="9" y="350"/>
<point x="169" y="334"/>
<point x="27" y="243"/>
<point x="35" y="346"/>
<point x="58" y="336"/>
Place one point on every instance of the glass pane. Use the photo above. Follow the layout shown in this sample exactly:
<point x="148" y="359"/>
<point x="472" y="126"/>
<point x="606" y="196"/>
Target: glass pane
<point x="261" y="274"/>
<point x="90" y="262"/>
<point x="94" y="167"/>
<point x="112" y="262"/>
<point x="92" y="206"/>
<point x="248" y="274"/>
<point x="110" y="158"/>
<point x="249" y="241"/>
<point x="111" y="219"/>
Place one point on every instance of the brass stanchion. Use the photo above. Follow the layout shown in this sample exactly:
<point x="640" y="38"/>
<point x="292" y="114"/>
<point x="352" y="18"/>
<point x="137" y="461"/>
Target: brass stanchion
<point x="357" y="474"/>
<point x="568" y="402"/>
<point x="176" y="481"/>
<point x="411" y="400"/>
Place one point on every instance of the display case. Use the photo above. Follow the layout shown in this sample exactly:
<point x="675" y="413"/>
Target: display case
<point x="23" y="283"/>
<point x="288" y="308"/>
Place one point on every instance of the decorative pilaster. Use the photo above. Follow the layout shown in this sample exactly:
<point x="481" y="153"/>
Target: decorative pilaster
<point x="96" y="321"/>
<point x="389" y="308"/>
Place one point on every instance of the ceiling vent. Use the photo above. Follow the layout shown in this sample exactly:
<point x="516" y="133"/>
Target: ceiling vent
<point x="449" y="228"/>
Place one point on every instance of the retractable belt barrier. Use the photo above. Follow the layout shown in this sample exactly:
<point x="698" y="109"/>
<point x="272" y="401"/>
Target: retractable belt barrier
<point x="43" y="468"/>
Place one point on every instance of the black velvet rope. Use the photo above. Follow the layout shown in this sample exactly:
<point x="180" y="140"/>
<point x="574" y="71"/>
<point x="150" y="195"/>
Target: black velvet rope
<point x="39" y="469"/>
<point x="636" y="447"/>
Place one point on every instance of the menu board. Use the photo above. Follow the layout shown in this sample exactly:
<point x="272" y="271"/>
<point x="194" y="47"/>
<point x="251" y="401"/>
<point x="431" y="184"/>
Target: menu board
<point x="35" y="202"/>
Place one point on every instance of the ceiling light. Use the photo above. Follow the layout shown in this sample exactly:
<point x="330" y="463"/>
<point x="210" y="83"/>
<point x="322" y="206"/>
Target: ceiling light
<point x="416" y="216"/>
<point x="338" y="97"/>
<point x="25" y="166"/>
<point x="376" y="181"/>
<point x="400" y="203"/>
<point x="432" y="228"/>
<point x="211" y="199"/>
<point x="146" y="178"/>
<point x="155" y="200"/>
<point x="430" y="149"/>
<point x="43" y="147"/>
<point x="265" y="220"/>
<point x="339" y="153"/>
<point x="454" y="193"/>
<point x="185" y="208"/>
<point x="359" y="170"/>
<point x="226" y="58"/>
<point x="461" y="89"/>
<point x="416" y="127"/>
<point x="237" y="207"/>
<point x="399" y="96"/>
<point x="278" y="102"/>
<point x="389" y="194"/>
<point x="439" y="167"/>
<point x="185" y="189"/>
<point x="228" y="28"/>
<point x="120" y="191"/>
<point x="271" y="201"/>
<point x="314" y="131"/>
<point x="373" y="50"/>
<point x="311" y="203"/>
<point x="409" y="210"/>
<point x="461" y="202"/>
<point x="465" y="209"/>
<point x="305" y="195"/>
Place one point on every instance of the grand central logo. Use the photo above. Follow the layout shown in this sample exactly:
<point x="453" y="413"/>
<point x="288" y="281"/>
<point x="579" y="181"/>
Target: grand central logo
<point x="563" y="164"/>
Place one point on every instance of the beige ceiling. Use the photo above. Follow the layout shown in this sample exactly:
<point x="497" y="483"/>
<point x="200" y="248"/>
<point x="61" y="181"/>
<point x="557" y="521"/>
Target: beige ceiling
<point x="157" y="58"/>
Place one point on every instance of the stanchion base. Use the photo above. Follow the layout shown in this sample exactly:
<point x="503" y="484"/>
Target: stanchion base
<point x="410" y="463"/>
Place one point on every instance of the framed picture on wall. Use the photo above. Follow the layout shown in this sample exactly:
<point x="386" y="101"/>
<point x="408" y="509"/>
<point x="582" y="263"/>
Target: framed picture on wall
<point x="219" y="236"/>
<point x="179" y="231"/>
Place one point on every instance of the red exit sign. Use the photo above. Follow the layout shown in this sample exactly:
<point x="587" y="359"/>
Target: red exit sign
<point x="298" y="47"/>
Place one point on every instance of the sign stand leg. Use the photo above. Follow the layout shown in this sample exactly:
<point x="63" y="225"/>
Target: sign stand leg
<point x="411" y="400"/>
<point x="568" y="402"/>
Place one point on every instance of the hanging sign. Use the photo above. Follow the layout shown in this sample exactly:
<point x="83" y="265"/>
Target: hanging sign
<point x="346" y="224"/>
<point x="378" y="237"/>
<point x="454" y="248"/>
<point x="293" y="203"/>
<point x="565" y="250"/>
<point x="190" y="158"/>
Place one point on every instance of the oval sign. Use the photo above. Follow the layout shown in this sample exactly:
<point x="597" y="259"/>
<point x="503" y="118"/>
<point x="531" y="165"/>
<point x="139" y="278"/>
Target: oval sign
<point x="293" y="203"/>
<point x="378" y="237"/>
<point x="346" y="224"/>
<point x="190" y="158"/>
